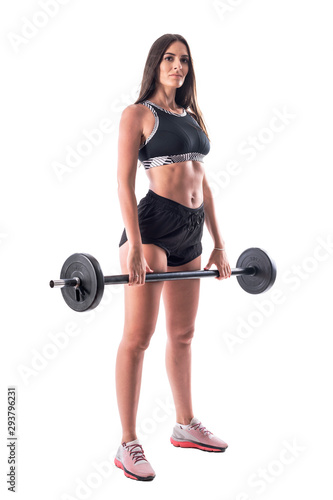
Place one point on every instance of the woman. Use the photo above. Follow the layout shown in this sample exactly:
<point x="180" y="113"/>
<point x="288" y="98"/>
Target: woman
<point x="163" y="233"/>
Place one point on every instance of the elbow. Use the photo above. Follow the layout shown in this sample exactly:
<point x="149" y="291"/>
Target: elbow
<point x="124" y="185"/>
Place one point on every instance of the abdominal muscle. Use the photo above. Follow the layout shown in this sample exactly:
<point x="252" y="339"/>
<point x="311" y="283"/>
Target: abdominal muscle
<point x="180" y="182"/>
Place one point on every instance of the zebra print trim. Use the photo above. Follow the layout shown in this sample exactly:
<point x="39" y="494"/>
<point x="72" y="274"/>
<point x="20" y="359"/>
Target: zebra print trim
<point x="157" y="122"/>
<point x="168" y="160"/>
<point x="184" y="113"/>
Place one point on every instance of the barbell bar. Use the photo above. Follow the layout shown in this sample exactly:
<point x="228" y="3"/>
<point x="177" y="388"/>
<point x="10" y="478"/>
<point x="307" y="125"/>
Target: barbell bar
<point x="121" y="279"/>
<point x="82" y="281"/>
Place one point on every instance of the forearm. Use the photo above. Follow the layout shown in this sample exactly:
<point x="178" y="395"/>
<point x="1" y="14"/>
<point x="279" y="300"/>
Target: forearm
<point x="129" y="211"/>
<point x="210" y="218"/>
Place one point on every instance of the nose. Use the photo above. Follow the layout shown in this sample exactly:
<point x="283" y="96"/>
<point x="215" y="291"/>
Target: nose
<point x="179" y="65"/>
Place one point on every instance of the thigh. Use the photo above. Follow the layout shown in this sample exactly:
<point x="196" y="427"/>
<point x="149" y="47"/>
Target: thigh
<point x="181" y="300"/>
<point x="142" y="302"/>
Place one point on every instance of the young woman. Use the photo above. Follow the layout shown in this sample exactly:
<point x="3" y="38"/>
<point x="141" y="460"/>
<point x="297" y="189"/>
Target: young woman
<point x="164" y="129"/>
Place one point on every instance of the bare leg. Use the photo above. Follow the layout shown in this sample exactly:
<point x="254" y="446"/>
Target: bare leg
<point x="181" y="300"/>
<point x="141" y="312"/>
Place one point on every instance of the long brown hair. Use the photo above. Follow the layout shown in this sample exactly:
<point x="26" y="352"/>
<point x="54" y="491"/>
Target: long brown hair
<point x="186" y="95"/>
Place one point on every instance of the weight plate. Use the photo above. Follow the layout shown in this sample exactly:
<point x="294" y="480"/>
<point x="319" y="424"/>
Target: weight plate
<point x="91" y="290"/>
<point x="265" y="271"/>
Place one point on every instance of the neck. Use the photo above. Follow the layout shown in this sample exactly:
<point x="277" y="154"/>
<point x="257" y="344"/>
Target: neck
<point x="165" y="98"/>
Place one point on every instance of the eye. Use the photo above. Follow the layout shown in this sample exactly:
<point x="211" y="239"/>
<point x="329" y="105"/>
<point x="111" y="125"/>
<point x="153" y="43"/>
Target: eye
<point x="184" y="59"/>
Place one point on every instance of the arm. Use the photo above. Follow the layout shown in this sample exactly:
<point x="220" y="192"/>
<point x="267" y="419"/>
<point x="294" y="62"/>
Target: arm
<point x="210" y="216"/>
<point x="217" y="257"/>
<point x="130" y="132"/>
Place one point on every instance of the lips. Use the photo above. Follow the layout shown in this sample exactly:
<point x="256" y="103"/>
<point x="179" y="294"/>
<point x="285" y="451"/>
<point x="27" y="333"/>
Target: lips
<point x="179" y="76"/>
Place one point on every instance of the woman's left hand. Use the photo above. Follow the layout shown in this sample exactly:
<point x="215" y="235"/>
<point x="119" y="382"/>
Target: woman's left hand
<point x="219" y="258"/>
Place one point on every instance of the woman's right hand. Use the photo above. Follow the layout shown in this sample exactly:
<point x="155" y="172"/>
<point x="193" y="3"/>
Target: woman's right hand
<point x="137" y="266"/>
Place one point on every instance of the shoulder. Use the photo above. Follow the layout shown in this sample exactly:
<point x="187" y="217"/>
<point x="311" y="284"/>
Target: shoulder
<point x="133" y="111"/>
<point x="193" y="117"/>
<point x="191" y="113"/>
<point x="133" y="116"/>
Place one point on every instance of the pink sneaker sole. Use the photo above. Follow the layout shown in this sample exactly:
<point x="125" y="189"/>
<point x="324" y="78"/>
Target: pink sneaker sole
<point x="192" y="444"/>
<point x="130" y="474"/>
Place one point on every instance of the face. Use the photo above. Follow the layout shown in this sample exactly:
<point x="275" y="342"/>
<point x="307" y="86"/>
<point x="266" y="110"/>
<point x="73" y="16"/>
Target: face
<point x="175" y="61"/>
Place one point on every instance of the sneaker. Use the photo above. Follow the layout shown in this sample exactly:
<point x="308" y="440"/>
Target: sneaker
<point x="195" y="435"/>
<point x="131" y="459"/>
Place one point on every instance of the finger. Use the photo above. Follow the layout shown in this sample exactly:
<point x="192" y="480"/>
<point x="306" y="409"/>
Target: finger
<point x="219" y="268"/>
<point x="139" y="278"/>
<point x="142" y="277"/>
<point x="222" y="273"/>
<point x="133" y="278"/>
<point x="227" y="271"/>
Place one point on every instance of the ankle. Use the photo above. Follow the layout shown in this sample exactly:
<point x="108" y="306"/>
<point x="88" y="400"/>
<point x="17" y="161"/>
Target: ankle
<point x="128" y="437"/>
<point x="184" y="421"/>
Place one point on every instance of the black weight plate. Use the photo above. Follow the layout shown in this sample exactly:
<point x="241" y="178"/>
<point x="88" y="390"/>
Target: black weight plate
<point x="91" y="290"/>
<point x="265" y="271"/>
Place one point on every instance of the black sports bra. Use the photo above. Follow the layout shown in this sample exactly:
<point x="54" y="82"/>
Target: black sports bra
<point x="174" y="138"/>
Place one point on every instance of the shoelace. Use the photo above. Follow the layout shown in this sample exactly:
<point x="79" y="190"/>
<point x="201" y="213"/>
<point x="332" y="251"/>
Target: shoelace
<point x="136" y="454"/>
<point x="201" y="428"/>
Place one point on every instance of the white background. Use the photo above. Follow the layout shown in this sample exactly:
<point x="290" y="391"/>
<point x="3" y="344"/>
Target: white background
<point x="263" y="388"/>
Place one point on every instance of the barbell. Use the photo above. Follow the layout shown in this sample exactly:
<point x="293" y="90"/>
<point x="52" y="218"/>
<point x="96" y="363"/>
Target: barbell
<point x="82" y="281"/>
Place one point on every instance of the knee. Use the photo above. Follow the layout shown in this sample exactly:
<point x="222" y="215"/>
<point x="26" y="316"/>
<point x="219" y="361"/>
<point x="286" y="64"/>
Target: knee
<point x="137" y="341"/>
<point x="181" y="336"/>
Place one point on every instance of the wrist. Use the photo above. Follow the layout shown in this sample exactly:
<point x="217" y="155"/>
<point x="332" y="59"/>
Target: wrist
<point x="135" y="245"/>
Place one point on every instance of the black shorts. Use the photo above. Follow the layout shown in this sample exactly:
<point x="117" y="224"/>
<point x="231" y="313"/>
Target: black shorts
<point x="174" y="227"/>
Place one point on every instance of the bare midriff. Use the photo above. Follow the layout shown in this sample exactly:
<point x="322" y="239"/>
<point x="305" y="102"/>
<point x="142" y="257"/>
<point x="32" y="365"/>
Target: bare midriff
<point x="180" y="182"/>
